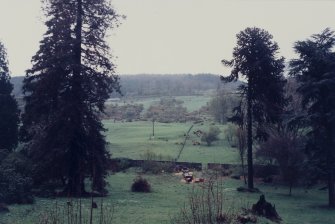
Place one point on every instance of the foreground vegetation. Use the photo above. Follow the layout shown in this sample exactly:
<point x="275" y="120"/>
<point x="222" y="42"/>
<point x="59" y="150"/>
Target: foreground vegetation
<point x="170" y="194"/>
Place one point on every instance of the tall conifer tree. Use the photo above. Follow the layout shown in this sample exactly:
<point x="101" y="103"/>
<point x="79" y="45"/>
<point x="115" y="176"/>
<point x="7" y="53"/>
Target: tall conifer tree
<point x="315" y="72"/>
<point x="255" y="59"/>
<point x="71" y="78"/>
<point x="9" y="112"/>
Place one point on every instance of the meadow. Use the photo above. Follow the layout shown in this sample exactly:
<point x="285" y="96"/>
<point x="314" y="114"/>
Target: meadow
<point x="170" y="194"/>
<point x="133" y="139"/>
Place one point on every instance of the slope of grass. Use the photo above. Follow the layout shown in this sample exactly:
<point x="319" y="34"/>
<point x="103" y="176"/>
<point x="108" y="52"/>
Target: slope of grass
<point x="132" y="139"/>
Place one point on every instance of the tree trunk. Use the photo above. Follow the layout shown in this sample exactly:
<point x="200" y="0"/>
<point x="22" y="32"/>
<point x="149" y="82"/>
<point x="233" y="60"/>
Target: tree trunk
<point x="76" y="178"/>
<point x="249" y="129"/>
<point x="331" y="189"/>
<point x="330" y="168"/>
<point x="243" y="169"/>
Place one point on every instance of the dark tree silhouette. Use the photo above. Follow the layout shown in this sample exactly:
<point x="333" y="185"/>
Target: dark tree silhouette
<point x="315" y="72"/>
<point x="9" y="112"/>
<point x="255" y="59"/>
<point x="71" y="78"/>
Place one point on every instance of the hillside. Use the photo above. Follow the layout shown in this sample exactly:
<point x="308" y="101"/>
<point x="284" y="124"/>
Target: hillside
<point x="158" y="85"/>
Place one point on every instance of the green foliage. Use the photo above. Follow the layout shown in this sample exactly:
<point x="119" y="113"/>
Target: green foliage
<point x="285" y="147"/>
<point x="74" y="212"/>
<point x="207" y="205"/>
<point x="131" y="140"/>
<point x="167" y="110"/>
<point x="15" y="183"/>
<point x="65" y="91"/>
<point x="160" y="85"/>
<point x="315" y="72"/>
<point x="170" y="196"/>
<point x="211" y="136"/>
<point x="221" y="105"/>
<point x="128" y="112"/>
<point x="9" y="112"/>
<point x="140" y="184"/>
<point x="255" y="59"/>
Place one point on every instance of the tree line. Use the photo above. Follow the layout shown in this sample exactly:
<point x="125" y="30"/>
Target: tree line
<point x="277" y="121"/>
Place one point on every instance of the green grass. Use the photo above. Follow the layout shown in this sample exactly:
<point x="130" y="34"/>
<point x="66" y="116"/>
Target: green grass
<point x="132" y="139"/>
<point x="169" y="194"/>
<point x="193" y="103"/>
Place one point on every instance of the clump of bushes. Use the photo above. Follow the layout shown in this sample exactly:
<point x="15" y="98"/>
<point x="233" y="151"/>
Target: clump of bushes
<point x="75" y="211"/>
<point x="140" y="184"/>
<point x="15" y="182"/>
<point x="207" y="205"/>
<point x="211" y="136"/>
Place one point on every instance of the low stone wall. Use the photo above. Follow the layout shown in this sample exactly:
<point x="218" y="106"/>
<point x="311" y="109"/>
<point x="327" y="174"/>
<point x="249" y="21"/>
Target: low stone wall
<point x="123" y="163"/>
<point x="118" y="164"/>
<point x="259" y="170"/>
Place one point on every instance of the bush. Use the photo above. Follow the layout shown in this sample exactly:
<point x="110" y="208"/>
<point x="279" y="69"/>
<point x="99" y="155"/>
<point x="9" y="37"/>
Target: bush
<point x="75" y="211"/>
<point x="15" y="187"/>
<point x="140" y="185"/>
<point x="211" y="136"/>
<point x="285" y="146"/>
<point x="120" y="164"/>
<point x="15" y="183"/>
<point x="207" y="205"/>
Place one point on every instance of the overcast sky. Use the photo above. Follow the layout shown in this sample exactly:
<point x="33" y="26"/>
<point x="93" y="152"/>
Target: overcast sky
<point x="174" y="36"/>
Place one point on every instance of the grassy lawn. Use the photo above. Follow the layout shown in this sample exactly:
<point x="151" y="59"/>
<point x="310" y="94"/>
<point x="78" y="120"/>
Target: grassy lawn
<point x="169" y="194"/>
<point x="132" y="139"/>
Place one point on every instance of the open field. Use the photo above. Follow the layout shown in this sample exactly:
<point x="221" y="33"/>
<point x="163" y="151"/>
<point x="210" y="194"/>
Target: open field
<point x="131" y="139"/>
<point x="169" y="194"/>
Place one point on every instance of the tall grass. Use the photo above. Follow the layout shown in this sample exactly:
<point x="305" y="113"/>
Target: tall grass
<point x="207" y="204"/>
<point x="76" y="212"/>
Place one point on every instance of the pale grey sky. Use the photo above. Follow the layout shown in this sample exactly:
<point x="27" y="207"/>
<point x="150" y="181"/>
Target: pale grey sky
<point x="174" y="36"/>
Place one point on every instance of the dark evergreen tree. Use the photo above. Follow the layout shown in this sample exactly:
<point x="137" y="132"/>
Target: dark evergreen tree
<point x="71" y="78"/>
<point x="255" y="59"/>
<point x="315" y="72"/>
<point x="9" y="112"/>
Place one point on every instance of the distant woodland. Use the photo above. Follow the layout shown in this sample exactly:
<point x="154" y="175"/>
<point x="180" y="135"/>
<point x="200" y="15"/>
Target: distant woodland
<point x="158" y="85"/>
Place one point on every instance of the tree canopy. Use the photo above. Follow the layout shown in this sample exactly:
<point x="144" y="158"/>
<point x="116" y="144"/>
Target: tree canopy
<point x="9" y="113"/>
<point x="255" y="60"/>
<point x="71" y="78"/>
<point x="315" y="72"/>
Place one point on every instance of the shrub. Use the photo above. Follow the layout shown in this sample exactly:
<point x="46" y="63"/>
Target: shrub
<point x="285" y="146"/>
<point x="207" y="205"/>
<point x="77" y="212"/>
<point x="15" y="183"/>
<point x="140" y="185"/>
<point x="15" y="187"/>
<point x="120" y="164"/>
<point x="211" y="136"/>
